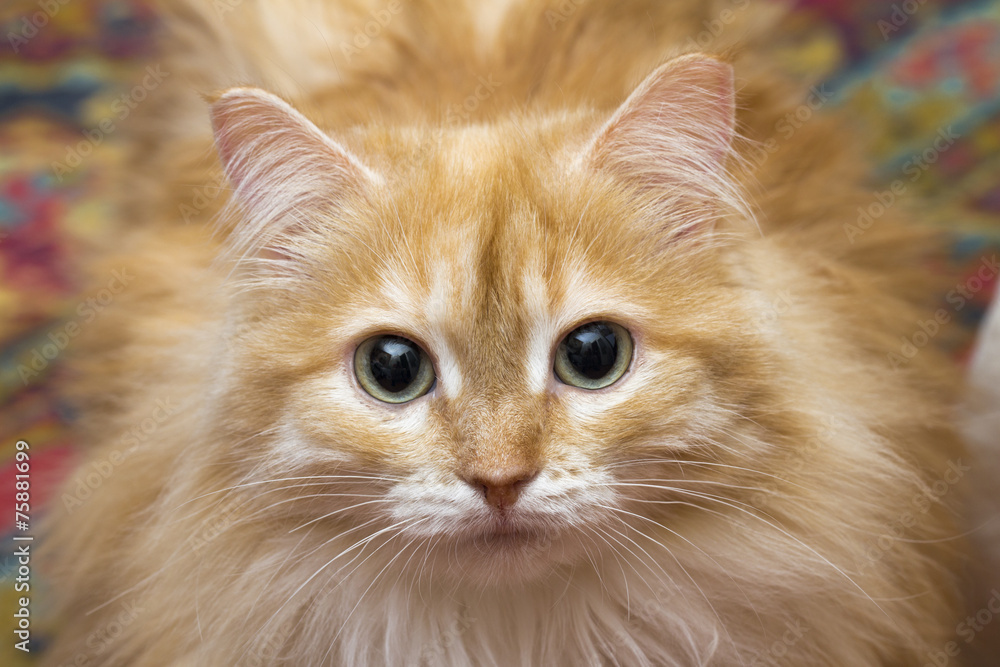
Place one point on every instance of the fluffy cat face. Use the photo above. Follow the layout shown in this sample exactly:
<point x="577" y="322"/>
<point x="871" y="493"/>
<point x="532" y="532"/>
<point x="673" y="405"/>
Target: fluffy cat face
<point x="483" y="255"/>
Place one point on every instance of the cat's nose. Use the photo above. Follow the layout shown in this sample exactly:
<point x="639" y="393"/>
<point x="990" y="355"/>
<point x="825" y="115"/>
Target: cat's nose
<point x="501" y="489"/>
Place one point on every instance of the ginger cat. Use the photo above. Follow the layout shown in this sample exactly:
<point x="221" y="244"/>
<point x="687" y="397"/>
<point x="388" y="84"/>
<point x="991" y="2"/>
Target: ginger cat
<point x="503" y="334"/>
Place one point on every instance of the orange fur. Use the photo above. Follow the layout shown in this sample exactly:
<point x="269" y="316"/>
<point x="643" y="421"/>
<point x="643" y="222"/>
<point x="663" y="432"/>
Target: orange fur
<point x="733" y="484"/>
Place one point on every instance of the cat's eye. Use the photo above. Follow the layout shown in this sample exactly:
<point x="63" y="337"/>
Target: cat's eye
<point x="594" y="355"/>
<point x="393" y="369"/>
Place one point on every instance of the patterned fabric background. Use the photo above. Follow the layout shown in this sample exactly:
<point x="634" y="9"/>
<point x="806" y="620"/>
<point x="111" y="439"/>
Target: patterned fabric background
<point x="924" y="74"/>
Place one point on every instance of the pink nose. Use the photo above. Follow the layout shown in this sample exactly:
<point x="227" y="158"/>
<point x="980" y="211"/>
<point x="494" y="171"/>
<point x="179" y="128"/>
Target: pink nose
<point x="501" y="489"/>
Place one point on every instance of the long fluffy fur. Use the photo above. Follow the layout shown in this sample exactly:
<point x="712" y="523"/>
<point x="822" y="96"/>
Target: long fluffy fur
<point x="739" y="500"/>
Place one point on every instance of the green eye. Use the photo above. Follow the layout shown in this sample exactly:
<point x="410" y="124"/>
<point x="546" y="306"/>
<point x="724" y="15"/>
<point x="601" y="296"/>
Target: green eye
<point x="393" y="369"/>
<point x="594" y="355"/>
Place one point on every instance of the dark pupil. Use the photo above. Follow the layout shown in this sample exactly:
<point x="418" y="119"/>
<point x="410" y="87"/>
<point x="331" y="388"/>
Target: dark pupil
<point x="394" y="363"/>
<point x="592" y="350"/>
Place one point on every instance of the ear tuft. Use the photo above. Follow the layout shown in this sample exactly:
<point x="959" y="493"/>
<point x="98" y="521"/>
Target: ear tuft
<point x="674" y="133"/>
<point x="280" y="164"/>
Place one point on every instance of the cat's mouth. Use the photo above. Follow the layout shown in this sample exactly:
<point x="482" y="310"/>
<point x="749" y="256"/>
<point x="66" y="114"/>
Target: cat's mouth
<point x="508" y="534"/>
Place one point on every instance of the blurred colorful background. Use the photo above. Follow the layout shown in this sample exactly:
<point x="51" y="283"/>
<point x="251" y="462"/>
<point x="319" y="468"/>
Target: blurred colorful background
<point x="916" y="71"/>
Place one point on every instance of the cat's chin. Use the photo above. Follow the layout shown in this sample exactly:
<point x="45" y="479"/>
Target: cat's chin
<point x="506" y="555"/>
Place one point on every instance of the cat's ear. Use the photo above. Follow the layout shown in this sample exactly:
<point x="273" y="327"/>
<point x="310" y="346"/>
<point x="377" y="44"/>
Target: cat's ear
<point x="674" y="133"/>
<point x="282" y="167"/>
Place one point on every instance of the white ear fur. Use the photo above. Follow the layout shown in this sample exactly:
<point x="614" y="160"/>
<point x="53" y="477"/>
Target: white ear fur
<point x="280" y="165"/>
<point x="674" y="135"/>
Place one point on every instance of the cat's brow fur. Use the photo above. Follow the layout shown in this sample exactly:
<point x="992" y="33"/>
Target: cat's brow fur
<point x="281" y="516"/>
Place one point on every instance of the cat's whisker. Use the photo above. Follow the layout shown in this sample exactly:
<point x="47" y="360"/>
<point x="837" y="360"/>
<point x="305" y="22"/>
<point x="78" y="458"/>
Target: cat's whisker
<point x="746" y="507"/>
<point x="244" y="502"/>
<point x="274" y="573"/>
<point x="614" y="552"/>
<point x="338" y="536"/>
<point x="676" y="560"/>
<point x="681" y="503"/>
<point x="619" y="511"/>
<point x="405" y="567"/>
<point x="372" y="554"/>
<point x="690" y="492"/>
<point x="593" y="563"/>
<point x="341" y="510"/>
<point x="647" y="482"/>
<point x="324" y="478"/>
<point x="817" y="512"/>
<point x="398" y="526"/>
<point x="681" y="463"/>
<point x="802" y="544"/>
<point x="739" y="415"/>
<point x="641" y="560"/>
<point x="212" y="512"/>
<point x="430" y="545"/>
<point x="374" y="580"/>
<point x="950" y="538"/>
<point x="628" y="561"/>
